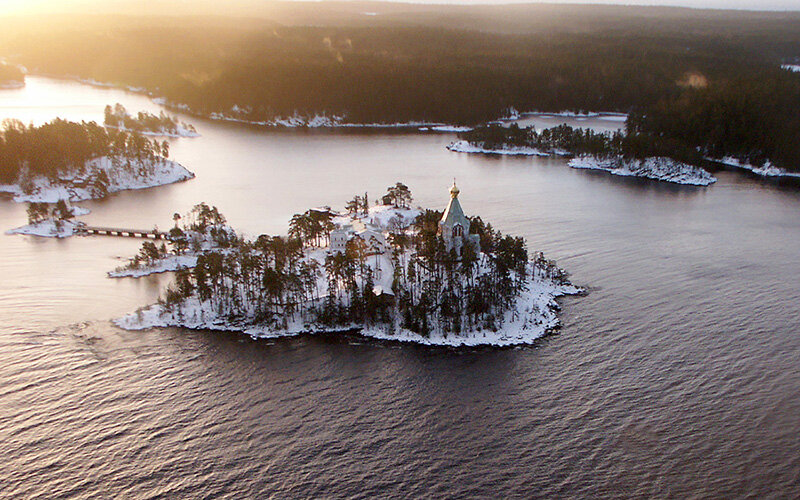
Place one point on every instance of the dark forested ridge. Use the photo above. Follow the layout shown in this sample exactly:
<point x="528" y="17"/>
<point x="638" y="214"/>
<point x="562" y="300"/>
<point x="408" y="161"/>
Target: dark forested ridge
<point x="466" y="65"/>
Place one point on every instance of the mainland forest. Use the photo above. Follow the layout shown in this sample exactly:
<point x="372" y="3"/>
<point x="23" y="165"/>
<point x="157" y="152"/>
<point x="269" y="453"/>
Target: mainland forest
<point x="699" y="78"/>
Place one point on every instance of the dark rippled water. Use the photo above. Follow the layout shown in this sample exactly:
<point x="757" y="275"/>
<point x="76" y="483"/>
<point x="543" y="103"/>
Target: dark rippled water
<point x="677" y="376"/>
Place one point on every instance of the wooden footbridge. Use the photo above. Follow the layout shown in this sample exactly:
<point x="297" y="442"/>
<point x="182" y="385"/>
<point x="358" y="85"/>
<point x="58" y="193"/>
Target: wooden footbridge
<point x="153" y="234"/>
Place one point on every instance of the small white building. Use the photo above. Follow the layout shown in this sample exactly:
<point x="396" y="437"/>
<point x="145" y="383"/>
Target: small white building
<point x="339" y="237"/>
<point x="372" y="237"/>
<point x="454" y="226"/>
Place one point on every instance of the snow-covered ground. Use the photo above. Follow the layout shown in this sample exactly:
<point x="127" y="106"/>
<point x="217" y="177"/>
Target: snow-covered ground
<point x="604" y="115"/>
<point x="47" y="229"/>
<point x="177" y="132"/>
<point x="658" y="168"/>
<point x="534" y="315"/>
<point x="168" y="264"/>
<point x="446" y="128"/>
<point x="767" y="170"/>
<point x="319" y="121"/>
<point x="467" y="147"/>
<point x="380" y="216"/>
<point x="71" y="187"/>
<point x="795" y="68"/>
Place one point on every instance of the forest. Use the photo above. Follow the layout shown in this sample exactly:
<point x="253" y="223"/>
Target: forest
<point x="60" y="147"/>
<point x="144" y="122"/>
<point x="706" y="79"/>
<point x="580" y="141"/>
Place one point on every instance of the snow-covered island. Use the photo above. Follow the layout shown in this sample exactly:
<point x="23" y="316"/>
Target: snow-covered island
<point x="386" y="271"/>
<point x="56" y="222"/>
<point x="202" y="230"/>
<point x="614" y="152"/>
<point x="462" y="146"/>
<point x="660" y="168"/>
<point x="62" y="160"/>
<point x="161" y="125"/>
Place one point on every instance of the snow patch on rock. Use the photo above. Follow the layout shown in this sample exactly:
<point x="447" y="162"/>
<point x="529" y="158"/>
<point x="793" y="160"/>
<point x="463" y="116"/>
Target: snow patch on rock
<point x="168" y="264"/>
<point x="767" y="170"/>
<point x="76" y="187"/>
<point x="467" y="147"/>
<point x="534" y="315"/>
<point x="658" y="168"/>
<point x="178" y="132"/>
<point x="47" y="229"/>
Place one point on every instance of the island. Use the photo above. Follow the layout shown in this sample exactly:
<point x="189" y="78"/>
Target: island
<point x="63" y="160"/>
<point x="144" y="123"/>
<point x="386" y="271"/>
<point x="201" y="230"/>
<point x="51" y="221"/>
<point x="619" y="153"/>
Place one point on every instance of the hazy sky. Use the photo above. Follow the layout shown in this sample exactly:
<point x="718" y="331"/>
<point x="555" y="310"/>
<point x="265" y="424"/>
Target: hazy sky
<point x="29" y="6"/>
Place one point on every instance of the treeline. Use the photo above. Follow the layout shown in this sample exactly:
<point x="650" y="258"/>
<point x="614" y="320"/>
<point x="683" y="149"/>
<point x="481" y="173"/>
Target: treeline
<point x="754" y="119"/>
<point x="62" y="147"/>
<point x="118" y="117"/>
<point x="703" y="79"/>
<point x="580" y="141"/>
<point x="406" y="72"/>
<point x="201" y="229"/>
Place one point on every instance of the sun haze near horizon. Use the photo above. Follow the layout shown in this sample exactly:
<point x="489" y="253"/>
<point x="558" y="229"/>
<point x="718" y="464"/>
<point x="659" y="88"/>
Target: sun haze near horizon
<point x="206" y="7"/>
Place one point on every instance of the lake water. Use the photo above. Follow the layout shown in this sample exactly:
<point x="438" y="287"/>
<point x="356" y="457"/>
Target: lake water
<point x="677" y="375"/>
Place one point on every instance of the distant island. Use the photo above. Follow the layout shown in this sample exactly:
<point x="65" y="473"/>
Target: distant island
<point x="147" y="123"/>
<point x="619" y="153"/>
<point x="386" y="271"/>
<point x="64" y="160"/>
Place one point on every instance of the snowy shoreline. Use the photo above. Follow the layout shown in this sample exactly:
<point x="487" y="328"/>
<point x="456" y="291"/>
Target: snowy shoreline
<point x="76" y="188"/>
<point x="47" y="229"/>
<point x="467" y="147"/>
<point x="657" y="168"/>
<point x="166" y="265"/>
<point x="534" y="316"/>
<point x="767" y="170"/>
<point x="322" y="121"/>
<point x="180" y="132"/>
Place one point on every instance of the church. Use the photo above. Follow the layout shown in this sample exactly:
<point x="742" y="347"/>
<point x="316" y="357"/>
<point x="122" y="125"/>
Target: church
<point x="454" y="226"/>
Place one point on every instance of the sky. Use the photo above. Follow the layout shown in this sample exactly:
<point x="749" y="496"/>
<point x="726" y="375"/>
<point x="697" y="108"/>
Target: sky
<point x="36" y="6"/>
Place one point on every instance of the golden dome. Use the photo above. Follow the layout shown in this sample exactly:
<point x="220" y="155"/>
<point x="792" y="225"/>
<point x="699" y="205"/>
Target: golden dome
<point x="454" y="190"/>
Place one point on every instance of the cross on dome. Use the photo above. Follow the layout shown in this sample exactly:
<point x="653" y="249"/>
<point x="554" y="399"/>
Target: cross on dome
<point x="454" y="190"/>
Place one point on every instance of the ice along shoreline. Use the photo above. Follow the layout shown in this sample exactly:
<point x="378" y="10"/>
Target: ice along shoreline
<point x="538" y="304"/>
<point x="384" y="272"/>
<point x="654" y="168"/>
